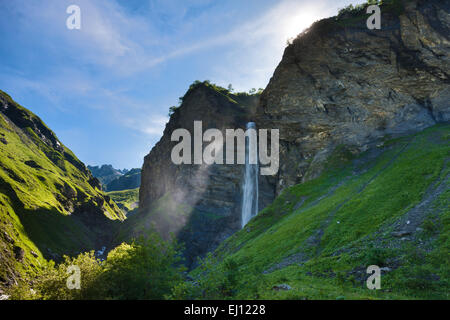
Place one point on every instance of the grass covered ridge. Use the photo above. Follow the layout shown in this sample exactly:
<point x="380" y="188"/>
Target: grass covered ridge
<point x="46" y="195"/>
<point x="127" y="200"/>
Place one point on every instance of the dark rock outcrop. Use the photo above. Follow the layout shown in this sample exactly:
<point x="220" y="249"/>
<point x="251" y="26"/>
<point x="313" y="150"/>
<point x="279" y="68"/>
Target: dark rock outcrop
<point x="95" y="183"/>
<point x="212" y="192"/>
<point x="32" y="164"/>
<point x="19" y="253"/>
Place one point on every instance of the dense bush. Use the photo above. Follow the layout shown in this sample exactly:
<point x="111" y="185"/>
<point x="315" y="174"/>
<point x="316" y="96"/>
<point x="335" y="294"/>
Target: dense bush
<point x="147" y="268"/>
<point x="392" y="6"/>
<point x="376" y="256"/>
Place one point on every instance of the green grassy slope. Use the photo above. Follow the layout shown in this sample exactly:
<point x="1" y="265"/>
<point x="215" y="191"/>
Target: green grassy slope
<point x="47" y="196"/>
<point x="127" y="200"/>
<point x="388" y="206"/>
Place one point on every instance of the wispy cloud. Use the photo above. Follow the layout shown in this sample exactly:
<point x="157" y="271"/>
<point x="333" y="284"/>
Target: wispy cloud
<point x="125" y="44"/>
<point x="129" y="64"/>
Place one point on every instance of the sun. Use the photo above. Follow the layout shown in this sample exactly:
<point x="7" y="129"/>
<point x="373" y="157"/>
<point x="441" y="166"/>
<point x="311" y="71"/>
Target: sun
<point x="296" y="24"/>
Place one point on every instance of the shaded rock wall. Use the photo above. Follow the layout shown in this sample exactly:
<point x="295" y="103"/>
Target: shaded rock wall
<point x="213" y="192"/>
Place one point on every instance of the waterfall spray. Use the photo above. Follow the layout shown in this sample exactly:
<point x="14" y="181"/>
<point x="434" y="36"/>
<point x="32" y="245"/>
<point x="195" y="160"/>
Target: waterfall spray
<point x="250" y="186"/>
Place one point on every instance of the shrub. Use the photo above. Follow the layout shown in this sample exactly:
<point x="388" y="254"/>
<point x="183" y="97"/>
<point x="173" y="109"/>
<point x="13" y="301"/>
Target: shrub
<point x="51" y="281"/>
<point x="416" y="278"/>
<point x="429" y="226"/>
<point x="172" y="110"/>
<point x="147" y="268"/>
<point x="375" y="256"/>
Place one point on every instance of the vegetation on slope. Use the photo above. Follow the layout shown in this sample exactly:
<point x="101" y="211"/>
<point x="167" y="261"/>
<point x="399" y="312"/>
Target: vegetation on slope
<point x="351" y="18"/>
<point x="146" y="268"/>
<point x="242" y="98"/>
<point x="387" y="6"/>
<point x="388" y="207"/>
<point x="46" y="196"/>
<point x="127" y="200"/>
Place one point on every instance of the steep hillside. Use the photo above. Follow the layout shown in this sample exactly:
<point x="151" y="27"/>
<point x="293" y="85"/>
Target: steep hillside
<point x="388" y="206"/>
<point x="50" y="204"/>
<point x="127" y="200"/>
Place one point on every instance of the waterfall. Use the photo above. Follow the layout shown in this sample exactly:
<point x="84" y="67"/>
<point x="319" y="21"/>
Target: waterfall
<point x="250" y="186"/>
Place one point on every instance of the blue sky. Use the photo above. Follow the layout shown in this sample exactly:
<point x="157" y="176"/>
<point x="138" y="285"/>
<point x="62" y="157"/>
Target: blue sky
<point x="106" y="89"/>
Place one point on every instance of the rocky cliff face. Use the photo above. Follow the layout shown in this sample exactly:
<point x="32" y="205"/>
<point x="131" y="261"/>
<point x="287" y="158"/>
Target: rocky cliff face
<point x="205" y="200"/>
<point x="340" y="83"/>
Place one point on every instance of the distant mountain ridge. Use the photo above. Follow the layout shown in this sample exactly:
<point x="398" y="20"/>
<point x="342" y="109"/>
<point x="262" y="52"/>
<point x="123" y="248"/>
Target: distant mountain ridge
<point x="115" y="179"/>
<point x="130" y="180"/>
<point x="105" y="173"/>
